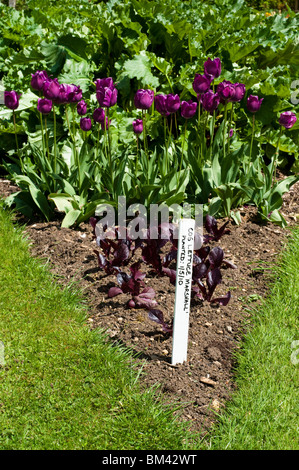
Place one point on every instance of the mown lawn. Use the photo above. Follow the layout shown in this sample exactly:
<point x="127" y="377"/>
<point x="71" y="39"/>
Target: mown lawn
<point x="63" y="386"/>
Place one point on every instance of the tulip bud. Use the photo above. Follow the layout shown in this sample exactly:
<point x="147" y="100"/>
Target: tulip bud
<point x="210" y="101"/>
<point x="213" y="67"/>
<point x="81" y="108"/>
<point x="44" y="105"/>
<point x="172" y="103"/>
<point x="287" y="119"/>
<point x="38" y="79"/>
<point x="143" y="99"/>
<point x="11" y="99"/>
<point x="107" y="97"/>
<point x="201" y="83"/>
<point x="99" y="115"/>
<point x="51" y="89"/>
<point x="254" y="103"/>
<point x="239" y="92"/>
<point x="138" y="126"/>
<point x="85" y="124"/>
<point x="188" y="109"/>
<point x="161" y="104"/>
<point x="104" y="83"/>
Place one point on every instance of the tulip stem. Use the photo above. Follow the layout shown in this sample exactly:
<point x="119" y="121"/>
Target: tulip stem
<point x="183" y="145"/>
<point x="145" y="143"/>
<point x="16" y="137"/>
<point x="212" y="135"/>
<point x="165" y="139"/>
<point x="109" y="147"/>
<point x="136" y="163"/>
<point x="42" y="131"/>
<point x="68" y="124"/>
<point x="252" y="136"/>
<point x="224" y="129"/>
<point x="276" y="159"/>
<point x="55" y="155"/>
<point x="46" y="134"/>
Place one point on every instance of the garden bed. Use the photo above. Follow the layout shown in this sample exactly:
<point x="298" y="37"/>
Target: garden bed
<point x="205" y="382"/>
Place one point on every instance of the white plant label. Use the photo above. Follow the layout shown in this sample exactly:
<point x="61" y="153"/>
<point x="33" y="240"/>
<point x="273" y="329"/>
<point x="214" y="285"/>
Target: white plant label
<point x="183" y="291"/>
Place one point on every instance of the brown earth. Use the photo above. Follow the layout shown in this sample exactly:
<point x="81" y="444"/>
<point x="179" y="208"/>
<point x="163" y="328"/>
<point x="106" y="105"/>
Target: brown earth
<point x="204" y="383"/>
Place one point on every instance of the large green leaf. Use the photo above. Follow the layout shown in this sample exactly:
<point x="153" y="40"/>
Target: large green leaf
<point x="140" y="68"/>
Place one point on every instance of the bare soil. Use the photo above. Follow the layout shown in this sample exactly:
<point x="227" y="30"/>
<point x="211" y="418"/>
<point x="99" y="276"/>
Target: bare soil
<point x="205" y="382"/>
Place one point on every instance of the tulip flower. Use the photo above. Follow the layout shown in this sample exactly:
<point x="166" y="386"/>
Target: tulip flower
<point x="210" y="101"/>
<point x="201" y="83"/>
<point x="172" y="103"/>
<point x="226" y="91"/>
<point x="239" y="92"/>
<point x="99" y="115"/>
<point x="143" y="99"/>
<point x="287" y="119"/>
<point x="104" y="83"/>
<point x="138" y="126"/>
<point x="213" y="67"/>
<point x="81" y="108"/>
<point x="106" y="96"/>
<point x="85" y="124"/>
<point x="44" y="106"/>
<point x="38" y="79"/>
<point x="51" y="89"/>
<point x="161" y="104"/>
<point x="188" y="109"/>
<point x="11" y="99"/>
<point x="254" y="103"/>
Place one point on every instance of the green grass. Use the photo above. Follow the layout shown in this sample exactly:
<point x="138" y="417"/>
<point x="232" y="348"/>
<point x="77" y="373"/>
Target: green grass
<point x="66" y="387"/>
<point x="62" y="385"/>
<point x="263" y="414"/>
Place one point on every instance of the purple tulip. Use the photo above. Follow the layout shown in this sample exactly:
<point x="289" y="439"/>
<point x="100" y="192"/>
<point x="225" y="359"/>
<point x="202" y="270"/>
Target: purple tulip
<point x="73" y="93"/>
<point x="287" y="119"/>
<point x="85" y="124"/>
<point x="107" y="97"/>
<point x="44" y="105"/>
<point x="144" y="99"/>
<point x="161" y="104"/>
<point x="51" y="89"/>
<point x="104" y="83"/>
<point x="172" y="103"/>
<point x="226" y="91"/>
<point x="210" y="101"/>
<point x="239" y="92"/>
<point x="99" y="115"/>
<point x="38" y="79"/>
<point x="81" y="108"/>
<point x="254" y="103"/>
<point x="138" y="126"/>
<point x="188" y="109"/>
<point x="213" y="67"/>
<point x="201" y="83"/>
<point x="11" y="99"/>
